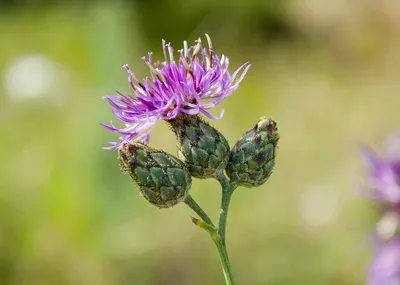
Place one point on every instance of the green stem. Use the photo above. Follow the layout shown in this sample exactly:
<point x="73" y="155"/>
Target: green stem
<point x="208" y="226"/>
<point x="227" y="191"/>
<point x="226" y="267"/>
<point x="223" y="215"/>
<point x="199" y="211"/>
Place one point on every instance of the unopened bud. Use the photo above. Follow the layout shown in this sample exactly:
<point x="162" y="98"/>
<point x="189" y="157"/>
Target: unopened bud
<point x="204" y="150"/>
<point x="253" y="157"/>
<point x="162" y="179"/>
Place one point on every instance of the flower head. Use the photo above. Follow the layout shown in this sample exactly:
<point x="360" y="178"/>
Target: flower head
<point x="198" y="81"/>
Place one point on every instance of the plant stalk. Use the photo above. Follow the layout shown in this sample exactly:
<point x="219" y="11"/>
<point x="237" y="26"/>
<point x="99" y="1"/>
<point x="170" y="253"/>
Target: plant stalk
<point x="227" y="191"/>
<point x="226" y="267"/>
<point x="217" y="235"/>
<point x="198" y="210"/>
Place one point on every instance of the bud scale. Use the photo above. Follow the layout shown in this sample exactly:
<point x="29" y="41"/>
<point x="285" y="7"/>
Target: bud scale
<point x="162" y="179"/>
<point x="203" y="149"/>
<point x="253" y="157"/>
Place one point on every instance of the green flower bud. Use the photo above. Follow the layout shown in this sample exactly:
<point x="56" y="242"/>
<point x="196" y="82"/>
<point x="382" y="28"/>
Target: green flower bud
<point x="204" y="150"/>
<point x="162" y="179"/>
<point x="253" y="157"/>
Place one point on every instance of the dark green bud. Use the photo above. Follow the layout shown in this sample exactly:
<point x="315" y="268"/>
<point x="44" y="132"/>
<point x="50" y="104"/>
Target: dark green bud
<point x="203" y="149"/>
<point x="162" y="179"/>
<point x="253" y="157"/>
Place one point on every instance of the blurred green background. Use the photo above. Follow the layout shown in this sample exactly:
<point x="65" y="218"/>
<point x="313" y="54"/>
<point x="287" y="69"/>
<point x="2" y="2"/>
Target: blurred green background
<point x="326" y="71"/>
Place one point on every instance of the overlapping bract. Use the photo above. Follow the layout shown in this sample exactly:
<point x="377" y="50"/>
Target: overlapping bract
<point x="253" y="157"/>
<point x="162" y="179"/>
<point x="201" y="147"/>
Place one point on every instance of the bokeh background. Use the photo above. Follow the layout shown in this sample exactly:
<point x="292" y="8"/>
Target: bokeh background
<point x="327" y="71"/>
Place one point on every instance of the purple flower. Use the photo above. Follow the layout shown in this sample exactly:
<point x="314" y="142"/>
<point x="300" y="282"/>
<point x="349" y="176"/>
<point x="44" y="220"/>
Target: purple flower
<point x="384" y="182"/>
<point x="385" y="266"/>
<point x="195" y="83"/>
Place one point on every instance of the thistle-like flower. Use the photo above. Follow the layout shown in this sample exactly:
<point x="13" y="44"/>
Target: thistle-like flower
<point x="178" y="92"/>
<point x="198" y="81"/>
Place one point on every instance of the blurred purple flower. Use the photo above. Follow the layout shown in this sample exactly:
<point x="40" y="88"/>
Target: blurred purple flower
<point x="385" y="266"/>
<point x="384" y="182"/>
<point x="197" y="82"/>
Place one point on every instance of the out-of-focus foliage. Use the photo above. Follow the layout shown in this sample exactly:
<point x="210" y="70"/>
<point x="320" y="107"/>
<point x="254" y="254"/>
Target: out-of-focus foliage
<point x="326" y="71"/>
